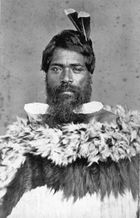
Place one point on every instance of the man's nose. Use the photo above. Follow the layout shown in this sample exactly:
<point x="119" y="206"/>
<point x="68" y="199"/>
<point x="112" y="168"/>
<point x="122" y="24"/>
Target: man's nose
<point x="67" y="75"/>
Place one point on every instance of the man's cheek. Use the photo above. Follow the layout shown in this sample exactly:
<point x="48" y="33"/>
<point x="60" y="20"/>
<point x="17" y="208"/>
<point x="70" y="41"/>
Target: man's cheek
<point x="82" y="83"/>
<point x="53" y="82"/>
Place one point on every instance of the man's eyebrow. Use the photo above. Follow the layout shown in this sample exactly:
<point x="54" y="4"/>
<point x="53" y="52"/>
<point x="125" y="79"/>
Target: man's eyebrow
<point x="77" y="65"/>
<point x="57" y="64"/>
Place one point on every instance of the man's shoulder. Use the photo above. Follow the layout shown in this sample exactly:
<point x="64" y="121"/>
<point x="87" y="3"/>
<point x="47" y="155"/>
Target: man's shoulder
<point x="104" y="116"/>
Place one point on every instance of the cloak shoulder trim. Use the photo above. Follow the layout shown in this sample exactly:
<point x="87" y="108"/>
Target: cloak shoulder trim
<point x="95" y="142"/>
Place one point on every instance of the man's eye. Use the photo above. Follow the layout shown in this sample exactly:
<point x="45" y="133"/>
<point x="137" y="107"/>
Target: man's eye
<point x="78" y="69"/>
<point x="56" y="69"/>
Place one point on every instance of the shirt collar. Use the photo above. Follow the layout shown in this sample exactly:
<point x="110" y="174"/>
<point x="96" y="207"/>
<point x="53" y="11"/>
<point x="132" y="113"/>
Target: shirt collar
<point x="35" y="110"/>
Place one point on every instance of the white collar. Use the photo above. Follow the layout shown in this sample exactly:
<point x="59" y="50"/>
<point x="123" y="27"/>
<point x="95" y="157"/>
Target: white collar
<point x="37" y="109"/>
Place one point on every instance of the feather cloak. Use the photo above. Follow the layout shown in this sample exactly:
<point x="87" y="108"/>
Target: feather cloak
<point x="76" y="170"/>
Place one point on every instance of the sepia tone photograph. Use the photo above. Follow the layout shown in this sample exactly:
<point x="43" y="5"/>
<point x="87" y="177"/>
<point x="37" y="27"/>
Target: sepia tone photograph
<point x="70" y="109"/>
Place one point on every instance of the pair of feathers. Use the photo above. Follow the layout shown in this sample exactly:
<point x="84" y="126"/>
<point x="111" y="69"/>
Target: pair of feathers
<point x="81" y="21"/>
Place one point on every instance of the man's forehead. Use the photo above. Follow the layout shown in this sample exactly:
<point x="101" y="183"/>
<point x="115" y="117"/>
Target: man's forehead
<point x="65" y="56"/>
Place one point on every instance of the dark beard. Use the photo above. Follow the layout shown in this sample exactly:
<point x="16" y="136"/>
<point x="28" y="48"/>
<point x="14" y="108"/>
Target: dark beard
<point x="62" y="105"/>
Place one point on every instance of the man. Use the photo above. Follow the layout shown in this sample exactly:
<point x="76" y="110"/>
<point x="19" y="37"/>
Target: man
<point x="72" y="157"/>
<point x="69" y="62"/>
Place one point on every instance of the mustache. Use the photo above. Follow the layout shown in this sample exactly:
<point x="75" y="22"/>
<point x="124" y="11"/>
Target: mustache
<point x="66" y="88"/>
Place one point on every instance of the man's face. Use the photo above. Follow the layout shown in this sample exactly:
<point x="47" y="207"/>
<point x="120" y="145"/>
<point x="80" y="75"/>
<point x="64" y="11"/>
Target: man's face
<point x="67" y="66"/>
<point x="68" y="81"/>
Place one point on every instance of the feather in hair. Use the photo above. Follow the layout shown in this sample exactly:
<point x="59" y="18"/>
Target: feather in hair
<point x="80" y="20"/>
<point x="84" y="19"/>
<point x="73" y="16"/>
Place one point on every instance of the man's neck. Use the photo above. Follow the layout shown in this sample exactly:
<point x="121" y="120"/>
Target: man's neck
<point x="74" y="118"/>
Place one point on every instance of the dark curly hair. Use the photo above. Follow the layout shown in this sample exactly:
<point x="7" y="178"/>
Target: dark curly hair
<point x="71" y="40"/>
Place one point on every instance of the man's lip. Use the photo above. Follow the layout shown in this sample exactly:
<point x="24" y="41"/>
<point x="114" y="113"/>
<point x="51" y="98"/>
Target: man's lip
<point x="67" y="93"/>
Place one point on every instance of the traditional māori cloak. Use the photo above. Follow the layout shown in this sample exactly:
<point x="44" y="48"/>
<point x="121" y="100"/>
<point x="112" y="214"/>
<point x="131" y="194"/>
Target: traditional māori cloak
<point x="76" y="170"/>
